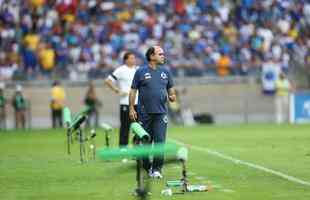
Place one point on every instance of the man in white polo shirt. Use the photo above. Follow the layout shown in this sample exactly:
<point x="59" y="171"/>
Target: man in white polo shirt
<point x="120" y="82"/>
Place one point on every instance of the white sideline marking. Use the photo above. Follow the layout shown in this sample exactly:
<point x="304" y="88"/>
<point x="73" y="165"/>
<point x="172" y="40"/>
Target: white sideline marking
<point x="176" y="167"/>
<point x="191" y="173"/>
<point x="227" y="190"/>
<point x="217" y="186"/>
<point x="200" y="178"/>
<point x="241" y="162"/>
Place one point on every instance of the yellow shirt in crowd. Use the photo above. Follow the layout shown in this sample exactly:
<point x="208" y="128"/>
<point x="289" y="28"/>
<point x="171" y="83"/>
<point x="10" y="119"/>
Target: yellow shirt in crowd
<point x="32" y="41"/>
<point x="47" y="59"/>
<point x="37" y="3"/>
<point x="58" y="97"/>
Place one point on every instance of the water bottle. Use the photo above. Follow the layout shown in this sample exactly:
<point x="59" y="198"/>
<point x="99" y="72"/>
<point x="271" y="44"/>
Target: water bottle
<point x="197" y="188"/>
<point x="166" y="192"/>
<point x="176" y="183"/>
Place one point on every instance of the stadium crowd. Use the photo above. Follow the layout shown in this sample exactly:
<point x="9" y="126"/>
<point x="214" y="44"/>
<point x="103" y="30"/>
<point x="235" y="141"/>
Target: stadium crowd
<point x="84" y="39"/>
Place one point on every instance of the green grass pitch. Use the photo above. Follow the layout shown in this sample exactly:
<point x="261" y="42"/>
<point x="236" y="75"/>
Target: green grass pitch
<point x="34" y="165"/>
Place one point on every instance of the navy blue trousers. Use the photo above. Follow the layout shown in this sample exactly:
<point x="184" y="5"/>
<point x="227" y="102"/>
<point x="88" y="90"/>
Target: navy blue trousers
<point x="155" y="124"/>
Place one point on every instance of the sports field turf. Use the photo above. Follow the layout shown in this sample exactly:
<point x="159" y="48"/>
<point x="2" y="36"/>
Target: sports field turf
<point x="248" y="162"/>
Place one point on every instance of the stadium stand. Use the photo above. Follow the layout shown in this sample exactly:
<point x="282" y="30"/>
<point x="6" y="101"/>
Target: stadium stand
<point x="84" y="39"/>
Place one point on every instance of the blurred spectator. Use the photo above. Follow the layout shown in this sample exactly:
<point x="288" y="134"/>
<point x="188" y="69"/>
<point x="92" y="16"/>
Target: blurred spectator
<point x="31" y="41"/>
<point x="174" y="110"/>
<point x="92" y="102"/>
<point x="283" y="89"/>
<point x="88" y="36"/>
<point x="2" y="107"/>
<point x="57" y="104"/>
<point x="7" y="67"/>
<point x="36" y="4"/>
<point x="30" y="62"/>
<point x="46" y="58"/>
<point x="271" y="70"/>
<point x="223" y="65"/>
<point x="67" y="9"/>
<point x="19" y="106"/>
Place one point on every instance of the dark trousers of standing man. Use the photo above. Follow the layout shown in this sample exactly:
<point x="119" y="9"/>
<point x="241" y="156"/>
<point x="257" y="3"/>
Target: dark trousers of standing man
<point x="93" y="118"/>
<point x="156" y="126"/>
<point x="57" y="118"/>
<point x="20" y="118"/>
<point x="125" y="123"/>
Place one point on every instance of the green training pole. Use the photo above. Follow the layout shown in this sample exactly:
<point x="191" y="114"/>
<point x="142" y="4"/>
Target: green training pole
<point x="107" y="130"/>
<point x="169" y="150"/>
<point x="139" y="131"/>
<point x="84" y="111"/>
<point x="67" y="116"/>
<point x="77" y="122"/>
<point x="106" y="127"/>
<point x="67" y="121"/>
<point x="176" y="183"/>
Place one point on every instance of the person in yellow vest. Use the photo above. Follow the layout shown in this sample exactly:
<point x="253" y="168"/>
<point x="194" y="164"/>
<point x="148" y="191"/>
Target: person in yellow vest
<point x="283" y="89"/>
<point x="57" y="104"/>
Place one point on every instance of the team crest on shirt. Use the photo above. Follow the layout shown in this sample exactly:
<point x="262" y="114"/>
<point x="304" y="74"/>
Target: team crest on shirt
<point x="165" y="119"/>
<point x="147" y="76"/>
<point x="163" y="75"/>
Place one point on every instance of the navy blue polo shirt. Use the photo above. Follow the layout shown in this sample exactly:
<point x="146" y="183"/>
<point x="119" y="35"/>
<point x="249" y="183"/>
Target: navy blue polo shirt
<point x="153" y="86"/>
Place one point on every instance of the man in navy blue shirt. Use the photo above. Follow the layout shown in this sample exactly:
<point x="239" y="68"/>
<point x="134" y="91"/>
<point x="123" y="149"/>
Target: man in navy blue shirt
<point x="155" y="86"/>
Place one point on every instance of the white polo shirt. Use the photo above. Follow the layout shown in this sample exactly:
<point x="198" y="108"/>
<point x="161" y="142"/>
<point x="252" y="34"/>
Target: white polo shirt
<point x="123" y="76"/>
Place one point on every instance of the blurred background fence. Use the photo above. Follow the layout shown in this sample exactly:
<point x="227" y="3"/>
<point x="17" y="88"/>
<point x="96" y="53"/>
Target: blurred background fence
<point x="226" y="100"/>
